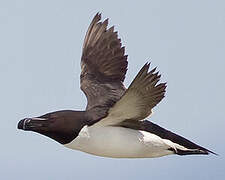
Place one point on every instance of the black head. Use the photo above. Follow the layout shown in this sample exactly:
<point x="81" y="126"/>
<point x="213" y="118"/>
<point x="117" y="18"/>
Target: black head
<point x="62" y="126"/>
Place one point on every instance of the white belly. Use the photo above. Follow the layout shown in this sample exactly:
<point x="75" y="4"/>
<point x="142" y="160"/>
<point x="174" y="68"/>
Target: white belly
<point x="119" y="142"/>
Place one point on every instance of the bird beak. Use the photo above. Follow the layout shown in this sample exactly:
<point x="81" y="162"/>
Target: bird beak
<point x="30" y="124"/>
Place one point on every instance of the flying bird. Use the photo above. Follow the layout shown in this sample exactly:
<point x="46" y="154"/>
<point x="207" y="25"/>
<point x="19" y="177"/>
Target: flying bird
<point x="114" y="122"/>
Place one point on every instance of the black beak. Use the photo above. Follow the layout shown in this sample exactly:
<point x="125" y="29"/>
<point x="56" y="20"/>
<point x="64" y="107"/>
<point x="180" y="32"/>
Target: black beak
<point x="32" y="123"/>
<point x="21" y="124"/>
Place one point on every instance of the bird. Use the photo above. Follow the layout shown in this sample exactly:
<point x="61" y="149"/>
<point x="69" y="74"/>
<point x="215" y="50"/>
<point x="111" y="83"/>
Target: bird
<point x="114" y="123"/>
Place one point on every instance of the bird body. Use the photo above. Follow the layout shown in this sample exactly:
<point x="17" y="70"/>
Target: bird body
<point x="119" y="142"/>
<point x="114" y="122"/>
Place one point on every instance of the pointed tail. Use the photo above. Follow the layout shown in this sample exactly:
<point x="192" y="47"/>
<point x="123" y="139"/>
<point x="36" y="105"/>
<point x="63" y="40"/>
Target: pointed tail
<point x="179" y="145"/>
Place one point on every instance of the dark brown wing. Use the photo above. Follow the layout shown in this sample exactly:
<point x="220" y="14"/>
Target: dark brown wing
<point x="103" y="65"/>
<point x="143" y="94"/>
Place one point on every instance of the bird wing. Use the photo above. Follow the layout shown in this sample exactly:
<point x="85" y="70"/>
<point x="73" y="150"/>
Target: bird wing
<point x="103" y="65"/>
<point x="143" y="94"/>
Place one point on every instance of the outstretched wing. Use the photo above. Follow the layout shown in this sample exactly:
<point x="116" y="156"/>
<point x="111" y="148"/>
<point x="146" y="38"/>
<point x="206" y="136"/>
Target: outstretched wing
<point x="103" y="65"/>
<point x="143" y="94"/>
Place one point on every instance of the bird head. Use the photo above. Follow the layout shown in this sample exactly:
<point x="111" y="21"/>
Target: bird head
<point x="62" y="126"/>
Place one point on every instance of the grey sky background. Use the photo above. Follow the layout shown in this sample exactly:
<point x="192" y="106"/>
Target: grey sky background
<point x="40" y="49"/>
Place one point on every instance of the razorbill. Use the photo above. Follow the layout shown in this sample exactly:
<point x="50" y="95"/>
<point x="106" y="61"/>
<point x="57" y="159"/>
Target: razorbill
<point x="114" y="122"/>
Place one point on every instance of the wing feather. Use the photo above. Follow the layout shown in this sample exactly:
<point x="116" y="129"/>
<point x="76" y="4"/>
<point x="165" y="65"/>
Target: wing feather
<point x="143" y="94"/>
<point x="103" y="65"/>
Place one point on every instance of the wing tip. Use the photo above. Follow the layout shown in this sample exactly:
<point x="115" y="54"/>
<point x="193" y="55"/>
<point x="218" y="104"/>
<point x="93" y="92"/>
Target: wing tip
<point x="212" y="152"/>
<point x="98" y="16"/>
<point x="152" y="74"/>
<point x="100" y="45"/>
<point x="200" y="151"/>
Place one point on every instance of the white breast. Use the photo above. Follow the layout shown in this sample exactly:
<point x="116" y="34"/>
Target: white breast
<point x="119" y="142"/>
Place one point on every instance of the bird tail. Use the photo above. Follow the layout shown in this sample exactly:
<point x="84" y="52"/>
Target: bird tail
<point x="178" y="144"/>
<point x="193" y="151"/>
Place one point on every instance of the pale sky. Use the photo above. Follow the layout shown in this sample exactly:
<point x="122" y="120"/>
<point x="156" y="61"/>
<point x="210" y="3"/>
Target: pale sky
<point x="41" y="43"/>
